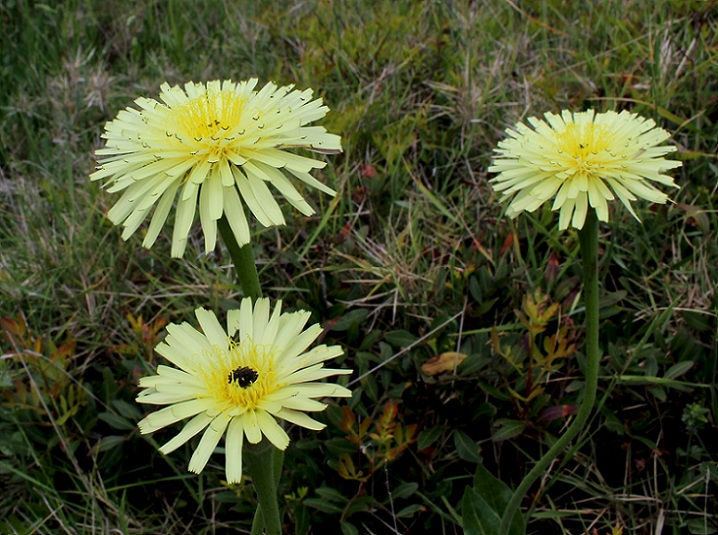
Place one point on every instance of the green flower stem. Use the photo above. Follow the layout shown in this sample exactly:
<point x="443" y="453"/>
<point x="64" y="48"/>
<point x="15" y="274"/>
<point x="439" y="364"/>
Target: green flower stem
<point x="257" y="523"/>
<point x="588" y="237"/>
<point x="261" y="461"/>
<point x="243" y="259"/>
<point x="277" y="462"/>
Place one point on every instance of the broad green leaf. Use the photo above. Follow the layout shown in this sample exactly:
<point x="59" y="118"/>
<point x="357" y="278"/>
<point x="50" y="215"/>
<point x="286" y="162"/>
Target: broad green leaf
<point x="497" y="495"/>
<point x="702" y="526"/>
<point x="400" y="339"/>
<point x="477" y="516"/>
<point x="343" y="323"/>
<point x="467" y="448"/>
<point x="349" y="529"/>
<point x="131" y="411"/>
<point x="405" y="490"/>
<point x="427" y="437"/>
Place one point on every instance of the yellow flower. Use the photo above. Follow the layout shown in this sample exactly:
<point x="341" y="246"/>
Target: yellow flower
<point x="217" y="145"/>
<point x="582" y="159"/>
<point x="239" y="381"/>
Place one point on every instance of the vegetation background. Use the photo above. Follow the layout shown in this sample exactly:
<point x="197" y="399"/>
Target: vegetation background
<point x="412" y="260"/>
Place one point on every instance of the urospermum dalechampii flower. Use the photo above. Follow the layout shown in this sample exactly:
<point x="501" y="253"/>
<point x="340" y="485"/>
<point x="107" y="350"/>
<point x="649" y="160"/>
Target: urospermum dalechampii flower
<point x="582" y="159"/>
<point x="239" y="384"/>
<point x="212" y="144"/>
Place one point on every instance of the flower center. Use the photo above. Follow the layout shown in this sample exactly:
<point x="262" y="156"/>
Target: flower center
<point x="585" y="147"/>
<point x="244" y="376"/>
<point x="241" y="375"/>
<point x="210" y="121"/>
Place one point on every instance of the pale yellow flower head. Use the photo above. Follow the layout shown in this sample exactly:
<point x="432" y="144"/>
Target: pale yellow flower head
<point x="238" y="382"/>
<point x="218" y="146"/>
<point x="582" y="159"/>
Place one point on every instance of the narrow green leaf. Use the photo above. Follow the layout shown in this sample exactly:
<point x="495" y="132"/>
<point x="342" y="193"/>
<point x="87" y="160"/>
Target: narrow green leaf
<point x="110" y="441"/>
<point x="332" y="495"/>
<point x="409" y="510"/>
<point x="678" y="369"/>
<point x="508" y="429"/>
<point x="436" y="202"/>
<point x="323" y="505"/>
<point x="116" y="422"/>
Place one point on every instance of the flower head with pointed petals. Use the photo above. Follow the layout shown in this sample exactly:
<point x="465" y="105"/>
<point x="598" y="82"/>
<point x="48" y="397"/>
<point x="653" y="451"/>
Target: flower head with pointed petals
<point x="215" y="146"/>
<point x="582" y="159"/>
<point x="238" y="382"/>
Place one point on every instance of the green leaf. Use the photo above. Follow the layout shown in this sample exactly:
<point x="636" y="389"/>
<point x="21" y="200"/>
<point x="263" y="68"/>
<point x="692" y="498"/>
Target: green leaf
<point x="323" y="505"/>
<point x="345" y="322"/>
<point x="508" y="429"/>
<point x="467" y="448"/>
<point x="340" y="446"/>
<point x="131" y="411"/>
<point x="477" y="516"/>
<point x="612" y="422"/>
<point x="400" y="339"/>
<point x="658" y="391"/>
<point x="475" y="289"/>
<point x="498" y="393"/>
<point x="116" y="421"/>
<point x="700" y="321"/>
<point x="496" y="495"/>
<point x="678" y="369"/>
<point x="370" y="387"/>
<point x="670" y="383"/>
<point x="409" y="510"/>
<point x="701" y="526"/>
<point x="405" y="490"/>
<point x="332" y="495"/>
<point x="427" y="437"/>
<point x="436" y="202"/>
<point x="109" y="442"/>
<point x="362" y="504"/>
<point x="486" y="305"/>
<point x="349" y="529"/>
<point x="473" y="364"/>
